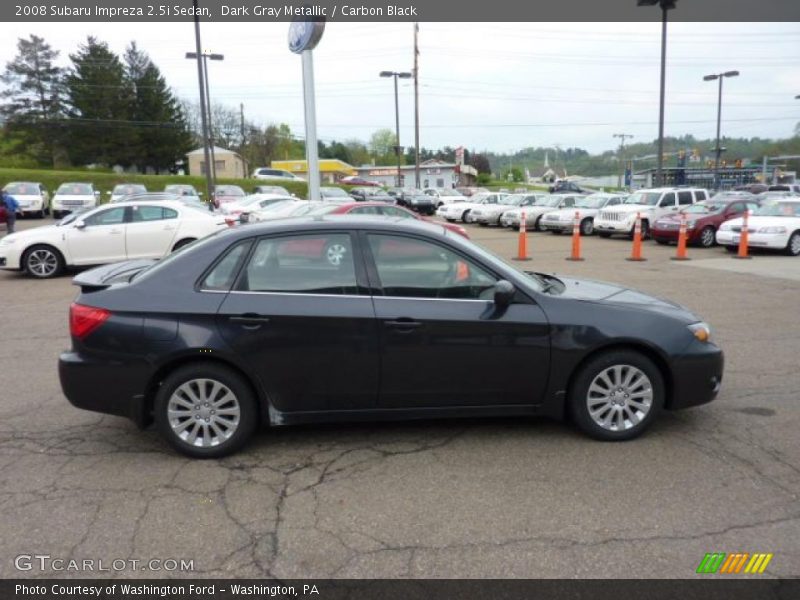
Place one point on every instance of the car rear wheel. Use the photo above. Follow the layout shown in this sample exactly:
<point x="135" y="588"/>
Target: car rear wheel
<point x="537" y="224"/>
<point x="793" y="247"/>
<point x="707" y="237"/>
<point x="465" y="217"/>
<point x="616" y="395"/>
<point x="205" y="410"/>
<point x="587" y="227"/>
<point x="42" y="262"/>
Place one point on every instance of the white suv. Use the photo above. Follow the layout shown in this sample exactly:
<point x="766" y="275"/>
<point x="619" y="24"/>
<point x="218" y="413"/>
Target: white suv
<point x="650" y="204"/>
<point x="268" y="173"/>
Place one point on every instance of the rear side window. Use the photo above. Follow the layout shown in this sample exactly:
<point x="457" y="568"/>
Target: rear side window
<point x="684" y="198"/>
<point x="112" y="216"/>
<point x="221" y="276"/>
<point x="320" y="263"/>
<point x="701" y="195"/>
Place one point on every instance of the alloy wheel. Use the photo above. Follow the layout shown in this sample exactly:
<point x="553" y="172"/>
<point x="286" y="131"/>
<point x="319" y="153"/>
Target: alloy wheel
<point x="619" y="397"/>
<point x="203" y="413"/>
<point x="336" y="253"/>
<point x="707" y="237"/>
<point x="42" y="263"/>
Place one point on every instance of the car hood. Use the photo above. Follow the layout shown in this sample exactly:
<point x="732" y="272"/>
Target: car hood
<point x="609" y="293"/>
<point x="570" y="212"/>
<point x="73" y="197"/>
<point x="764" y="221"/>
<point x="26" y="197"/>
<point x="34" y="232"/>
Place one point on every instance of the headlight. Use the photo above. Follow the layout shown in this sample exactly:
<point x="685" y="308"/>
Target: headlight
<point x="771" y="230"/>
<point x="701" y="331"/>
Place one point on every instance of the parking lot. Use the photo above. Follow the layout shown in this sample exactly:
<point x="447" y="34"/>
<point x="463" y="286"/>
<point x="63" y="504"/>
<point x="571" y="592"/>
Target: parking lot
<point x="477" y="498"/>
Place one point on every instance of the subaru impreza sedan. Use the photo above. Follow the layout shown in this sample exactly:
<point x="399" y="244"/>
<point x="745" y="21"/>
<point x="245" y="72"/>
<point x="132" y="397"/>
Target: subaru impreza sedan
<point x="259" y="325"/>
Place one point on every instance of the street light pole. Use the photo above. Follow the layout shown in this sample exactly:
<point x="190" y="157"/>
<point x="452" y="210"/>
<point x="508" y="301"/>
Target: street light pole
<point x="718" y="149"/>
<point x="416" y="106"/>
<point x="665" y="5"/>
<point x="397" y="147"/>
<point x="200" y="78"/>
<point x="205" y="101"/>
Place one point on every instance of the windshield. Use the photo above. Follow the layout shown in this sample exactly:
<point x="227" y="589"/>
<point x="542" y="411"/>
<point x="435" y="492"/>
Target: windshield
<point x="550" y="201"/>
<point x="76" y="189"/>
<point x="333" y="193"/>
<point x="447" y="192"/>
<point x="185" y="190"/>
<point x="73" y="216"/>
<point x="513" y="200"/>
<point x="704" y="208"/>
<point x="772" y="208"/>
<point x="127" y="190"/>
<point x="23" y="189"/>
<point x="591" y="202"/>
<point x="229" y="190"/>
<point x="646" y="198"/>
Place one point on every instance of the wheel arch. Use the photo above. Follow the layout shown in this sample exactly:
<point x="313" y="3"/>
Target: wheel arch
<point x="23" y="255"/>
<point x="631" y="345"/>
<point x="181" y="361"/>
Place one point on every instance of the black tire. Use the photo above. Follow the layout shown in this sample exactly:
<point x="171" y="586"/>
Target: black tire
<point x="645" y="230"/>
<point x="241" y="432"/>
<point x="604" y="234"/>
<point x="464" y="217"/>
<point x="184" y="242"/>
<point x="587" y="227"/>
<point x="579" y="394"/>
<point x="793" y="245"/>
<point x="537" y="224"/>
<point x="57" y="214"/>
<point x="42" y="261"/>
<point x="40" y="214"/>
<point x="707" y="237"/>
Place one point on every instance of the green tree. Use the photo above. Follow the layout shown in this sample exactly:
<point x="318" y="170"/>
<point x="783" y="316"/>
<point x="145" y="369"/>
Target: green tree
<point x="166" y="137"/>
<point x="34" y="101"/>
<point x="358" y="151"/>
<point x="381" y="147"/>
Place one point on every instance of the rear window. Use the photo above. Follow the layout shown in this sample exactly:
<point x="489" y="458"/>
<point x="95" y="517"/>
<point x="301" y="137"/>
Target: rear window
<point x="221" y="276"/>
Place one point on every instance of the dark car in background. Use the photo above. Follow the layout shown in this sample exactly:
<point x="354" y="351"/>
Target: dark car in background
<point x="334" y="194"/>
<point x="703" y="219"/>
<point x="371" y="194"/>
<point x="567" y="187"/>
<point x="316" y="319"/>
<point x="355" y="180"/>
<point x="413" y="199"/>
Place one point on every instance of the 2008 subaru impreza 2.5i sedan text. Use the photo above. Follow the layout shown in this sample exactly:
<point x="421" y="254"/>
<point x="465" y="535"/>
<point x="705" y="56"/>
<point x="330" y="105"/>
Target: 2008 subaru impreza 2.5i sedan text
<point x="359" y="318"/>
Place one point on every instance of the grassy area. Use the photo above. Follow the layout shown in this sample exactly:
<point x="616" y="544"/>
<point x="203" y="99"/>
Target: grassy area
<point x="105" y="181"/>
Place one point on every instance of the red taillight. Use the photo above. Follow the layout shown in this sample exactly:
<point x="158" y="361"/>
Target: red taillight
<point x="83" y="320"/>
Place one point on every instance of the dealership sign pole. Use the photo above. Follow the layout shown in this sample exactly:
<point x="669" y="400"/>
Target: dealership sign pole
<point x="303" y="38"/>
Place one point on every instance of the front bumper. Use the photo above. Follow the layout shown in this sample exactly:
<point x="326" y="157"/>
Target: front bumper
<point x="109" y="386"/>
<point x="556" y="225"/>
<point x="775" y="241"/>
<point x="696" y="376"/>
<point x="613" y="226"/>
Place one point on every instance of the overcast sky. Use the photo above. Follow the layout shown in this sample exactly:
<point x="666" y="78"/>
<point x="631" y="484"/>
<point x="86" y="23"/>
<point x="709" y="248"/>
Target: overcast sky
<point x="494" y="86"/>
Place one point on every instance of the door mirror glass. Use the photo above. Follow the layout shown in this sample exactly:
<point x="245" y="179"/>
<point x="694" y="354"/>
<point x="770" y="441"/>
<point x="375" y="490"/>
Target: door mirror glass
<point x="503" y="293"/>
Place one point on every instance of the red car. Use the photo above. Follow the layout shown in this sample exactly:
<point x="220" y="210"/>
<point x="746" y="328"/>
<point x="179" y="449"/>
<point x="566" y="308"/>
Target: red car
<point x="3" y="213"/>
<point x="353" y="180"/>
<point x="702" y="219"/>
<point x="227" y="193"/>
<point x="386" y="210"/>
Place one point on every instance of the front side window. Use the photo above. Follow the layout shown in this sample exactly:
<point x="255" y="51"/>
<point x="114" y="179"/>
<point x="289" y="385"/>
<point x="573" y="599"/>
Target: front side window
<point x="414" y="268"/>
<point x="319" y="263"/>
<point x="668" y="200"/>
<point x="112" y="216"/>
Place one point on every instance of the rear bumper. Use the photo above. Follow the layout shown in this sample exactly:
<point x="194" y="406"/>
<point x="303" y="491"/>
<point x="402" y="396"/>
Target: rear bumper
<point x="113" y="387"/>
<point x="697" y="376"/>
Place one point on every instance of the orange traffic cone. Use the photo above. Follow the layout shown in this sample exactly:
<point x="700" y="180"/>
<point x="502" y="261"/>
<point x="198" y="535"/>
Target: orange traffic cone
<point x="522" y="250"/>
<point x="636" y="252"/>
<point x="576" y="238"/>
<point x="743" y="238"/>
<point x="681" y="253"/>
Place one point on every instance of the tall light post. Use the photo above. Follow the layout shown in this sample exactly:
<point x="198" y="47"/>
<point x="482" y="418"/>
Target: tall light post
<point x="665" y="6"/>
<point x="718" y="149"/>
<point x="200" y="78"/>
<point x="398" y="147"/>
<point x="206" y="56"/>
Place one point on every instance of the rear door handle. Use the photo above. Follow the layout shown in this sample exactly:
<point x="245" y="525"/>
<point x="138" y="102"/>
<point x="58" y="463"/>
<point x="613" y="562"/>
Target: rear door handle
<point x="250" y="320"/>
<point x="403" y="325"/>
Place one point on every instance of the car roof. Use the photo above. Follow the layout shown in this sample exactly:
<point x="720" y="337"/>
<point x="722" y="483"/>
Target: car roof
<point x="339" y="222"/>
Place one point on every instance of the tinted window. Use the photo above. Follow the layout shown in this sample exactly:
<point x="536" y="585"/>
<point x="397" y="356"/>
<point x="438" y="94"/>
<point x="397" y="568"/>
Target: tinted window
<point x="568" y="202"/>
<point x="112" y="216"/>
<point x="701" y="195"/>
<point x="668" y="200"/>
<point x="684" y="198"/>
<point x="307" y="264"/>
<point x="414" y="268"/>
<point x="222" y="275"/>
<point x="152" y="213"/>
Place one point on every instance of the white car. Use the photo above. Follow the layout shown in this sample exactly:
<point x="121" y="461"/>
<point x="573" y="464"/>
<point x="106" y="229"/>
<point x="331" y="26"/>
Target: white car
<point x="123" y="190"/>
<point x="74" y="196"/>
<point x="32" y="197"/>
<point x="281" y="210"/>
<point x="268" y="173"/>
<point x="534" y="213"/>
<point x="253" y="202"/>
<point x="490" y="214"/>
<point x="444" y="196"/>
<point x="650" y="204"/>
<point x="587" y="208"/>
<point x="774" y="225"/>
<point x="462" y="211"/>
<point x="107" y="234"/>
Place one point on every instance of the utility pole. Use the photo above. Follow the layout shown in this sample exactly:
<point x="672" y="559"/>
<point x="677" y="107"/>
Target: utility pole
<point x="416" y="106"/>
<point x="622" y="137"/>
<point x="241" y="120"/>
<point x="200" y="76"/>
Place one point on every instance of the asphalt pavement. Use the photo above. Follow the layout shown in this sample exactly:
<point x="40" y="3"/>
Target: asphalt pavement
<point x="460" y="498"/>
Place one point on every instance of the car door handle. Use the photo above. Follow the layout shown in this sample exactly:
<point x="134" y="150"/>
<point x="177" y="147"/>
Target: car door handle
<point x="403" y="325"/>
<point x="250" y="320"/>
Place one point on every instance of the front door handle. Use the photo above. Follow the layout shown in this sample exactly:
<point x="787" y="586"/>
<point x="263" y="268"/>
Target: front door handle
<point x="403" y="325"/>
<point x="250" y="320"/>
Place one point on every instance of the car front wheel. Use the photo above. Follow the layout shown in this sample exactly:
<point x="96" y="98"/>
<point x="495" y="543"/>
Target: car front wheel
<point x="616" y="395"/>
<point x="205" y="410"/>
<point x="793" y="247"/>
<point x="42" y="262"/>
<point x="708" y="237"/>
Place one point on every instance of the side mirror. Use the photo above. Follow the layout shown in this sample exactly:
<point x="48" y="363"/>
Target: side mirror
<point x="503" y="293"/>
<point x="80" y="224"/>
